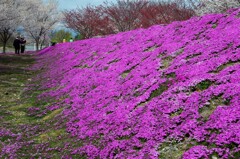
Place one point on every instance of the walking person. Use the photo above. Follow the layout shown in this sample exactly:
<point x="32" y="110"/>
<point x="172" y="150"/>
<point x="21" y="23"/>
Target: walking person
<point x="16" y="45"/>
<point x="23" y="43"/>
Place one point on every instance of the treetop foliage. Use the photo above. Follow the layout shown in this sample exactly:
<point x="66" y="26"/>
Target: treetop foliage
<point x="127" y="15"/>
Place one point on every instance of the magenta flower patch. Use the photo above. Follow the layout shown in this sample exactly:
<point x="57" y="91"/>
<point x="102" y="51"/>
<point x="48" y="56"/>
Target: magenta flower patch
<point x="128" y="95"/>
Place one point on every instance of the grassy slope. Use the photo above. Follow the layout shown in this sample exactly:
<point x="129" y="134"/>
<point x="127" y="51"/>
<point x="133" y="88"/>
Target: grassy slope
<point x="23" y="132"/>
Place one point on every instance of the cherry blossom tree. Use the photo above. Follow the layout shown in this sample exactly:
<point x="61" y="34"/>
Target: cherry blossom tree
<point x="40" y="18"/>
<point x="9" y="20"/>
<point x="216" y="6"/>
<point x="37" y="17"/>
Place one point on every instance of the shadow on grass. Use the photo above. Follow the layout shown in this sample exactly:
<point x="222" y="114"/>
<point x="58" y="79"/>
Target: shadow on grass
<point x="7" y="70"/>
<point x="15" y="64"/>
<point x="16" y="59"/>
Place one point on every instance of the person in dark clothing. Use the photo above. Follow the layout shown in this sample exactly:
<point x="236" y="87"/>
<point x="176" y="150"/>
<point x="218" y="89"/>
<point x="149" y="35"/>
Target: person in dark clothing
<point x="16" y="45"/>
<point x="23" y="43"/>
<point x="53" y="43"/>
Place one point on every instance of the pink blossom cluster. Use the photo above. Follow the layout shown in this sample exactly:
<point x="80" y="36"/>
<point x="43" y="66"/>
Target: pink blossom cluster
<point x="127" y="94"/>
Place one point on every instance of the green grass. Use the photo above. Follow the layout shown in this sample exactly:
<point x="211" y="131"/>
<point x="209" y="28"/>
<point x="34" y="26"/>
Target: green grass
<point x="14" y="114"/>
<point x="213" y="103"/>
<point x="166" y="62"/>
<point x="173" y="149"/>
<point x="152" y="48"/>
<point x="125" y="73"/>
<point x="176" y="113"/>
<point x="52" y="114"/>
<point x="193" y="55"/>
<point x="202" y="86"/>
<point x="163" y="87"/>
<point x="225" y="65"/>
<point x="17" y="60"/>
<point x="50" y="135"/>
<point x="214" y="26"/>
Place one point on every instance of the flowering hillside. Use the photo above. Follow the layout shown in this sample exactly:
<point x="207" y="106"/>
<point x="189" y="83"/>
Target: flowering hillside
<point x="165" y="92"/>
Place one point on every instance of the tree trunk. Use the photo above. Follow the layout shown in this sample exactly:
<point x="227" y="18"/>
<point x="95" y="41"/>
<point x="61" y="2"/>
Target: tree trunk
<point x="4" y="47"/>
<point x="41" y="45"/>
<point x="4" y="37"/>
<point x="37" y="45"/>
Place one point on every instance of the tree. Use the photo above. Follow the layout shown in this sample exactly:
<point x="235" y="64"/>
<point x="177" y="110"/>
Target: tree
<point x="37" y="17"/>
<point x="101" y="20"/>
<point x="158" y="12"/>
<point x="58" y="36"/>
<point x="40" y="18"/>
<point x="216" y="6"/>
<point x="126" y="15"/>
<point x="78" y="37"/>
<point x="89" y="21"/>
<point x="9" y="20"/>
